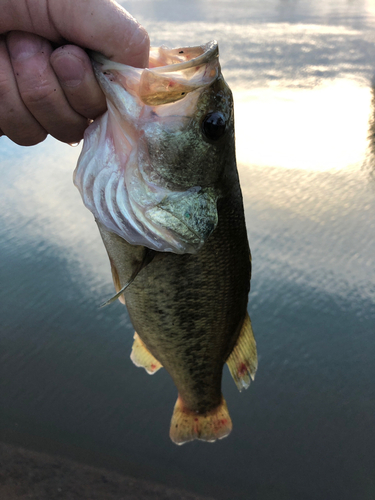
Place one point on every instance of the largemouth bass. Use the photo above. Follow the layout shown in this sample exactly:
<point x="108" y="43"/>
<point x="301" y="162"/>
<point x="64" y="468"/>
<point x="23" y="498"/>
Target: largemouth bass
<point x="158" y="171"/>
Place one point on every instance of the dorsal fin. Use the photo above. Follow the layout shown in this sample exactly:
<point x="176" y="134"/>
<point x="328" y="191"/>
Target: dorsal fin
<point x="243" y="361"/>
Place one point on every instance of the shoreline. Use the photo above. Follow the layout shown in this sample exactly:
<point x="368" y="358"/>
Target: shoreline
<point x="26" y="474"/>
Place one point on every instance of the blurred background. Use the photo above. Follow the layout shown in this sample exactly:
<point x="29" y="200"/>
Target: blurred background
<point x="301" y="73"/>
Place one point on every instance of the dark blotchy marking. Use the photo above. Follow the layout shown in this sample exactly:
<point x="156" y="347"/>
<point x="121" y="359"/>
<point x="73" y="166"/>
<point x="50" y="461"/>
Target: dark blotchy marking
<point x="181" y="52"/>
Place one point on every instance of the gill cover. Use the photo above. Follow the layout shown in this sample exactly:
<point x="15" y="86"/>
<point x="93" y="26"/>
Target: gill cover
<point x="117" y="185"/>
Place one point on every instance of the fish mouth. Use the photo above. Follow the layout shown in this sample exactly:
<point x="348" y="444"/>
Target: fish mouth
<point x="191" y="216"/>
<point x="178" y="59"/>
<point x="172" y="74"/>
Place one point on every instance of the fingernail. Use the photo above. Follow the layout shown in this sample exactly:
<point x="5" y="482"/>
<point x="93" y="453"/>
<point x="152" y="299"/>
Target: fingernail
<point x="24" y="46"/>
<point x="69" y="69"/>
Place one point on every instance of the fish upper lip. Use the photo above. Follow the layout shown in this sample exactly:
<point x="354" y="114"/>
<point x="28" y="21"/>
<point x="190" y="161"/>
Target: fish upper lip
<point x="210" y="52"/>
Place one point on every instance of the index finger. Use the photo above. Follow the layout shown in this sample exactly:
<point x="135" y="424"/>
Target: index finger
<point x="100" y="25"/>
<point x="104" y="26"/>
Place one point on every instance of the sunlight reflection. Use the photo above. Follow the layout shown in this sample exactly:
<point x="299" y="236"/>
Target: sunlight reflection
<point x="317" y="129"/>
<point x="370" y="7"/>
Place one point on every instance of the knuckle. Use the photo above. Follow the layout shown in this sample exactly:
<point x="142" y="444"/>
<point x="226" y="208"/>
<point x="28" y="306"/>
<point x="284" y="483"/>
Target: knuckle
<point x="38" y="94"/>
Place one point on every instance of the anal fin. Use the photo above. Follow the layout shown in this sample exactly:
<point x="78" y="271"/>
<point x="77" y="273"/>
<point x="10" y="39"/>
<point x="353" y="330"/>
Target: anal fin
<point x="142" y="357"/>
<point x="187" y="425"/>
<point x="243" y="361"/>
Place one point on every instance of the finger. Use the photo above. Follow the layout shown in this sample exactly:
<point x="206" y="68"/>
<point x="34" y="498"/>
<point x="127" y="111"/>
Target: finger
<point x="101" y="25"/>
<point x="104" y="26"/>
<point x="39" y="88"/>
<point x="16" y="121"/>
<point x="74" y="71"/>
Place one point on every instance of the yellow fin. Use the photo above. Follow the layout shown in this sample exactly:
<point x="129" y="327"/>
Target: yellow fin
<point x="187" y="425"/>
<point x="142" y="357"/>
<point x="243" y="361"/>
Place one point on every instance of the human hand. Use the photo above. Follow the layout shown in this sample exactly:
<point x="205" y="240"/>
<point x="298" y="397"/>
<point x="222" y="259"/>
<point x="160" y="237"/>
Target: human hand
<point x="48" y="90"/>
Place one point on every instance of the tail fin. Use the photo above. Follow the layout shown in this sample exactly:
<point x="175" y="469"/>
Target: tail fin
<point x="187" y="425"/>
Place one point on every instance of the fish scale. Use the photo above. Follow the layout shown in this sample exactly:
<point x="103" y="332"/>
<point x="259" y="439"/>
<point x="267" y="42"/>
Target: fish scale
<point x="206" y="299"/>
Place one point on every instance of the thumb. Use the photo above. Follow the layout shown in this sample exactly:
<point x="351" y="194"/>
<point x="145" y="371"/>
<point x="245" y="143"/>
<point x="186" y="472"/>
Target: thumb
<point x="101" y="25"/>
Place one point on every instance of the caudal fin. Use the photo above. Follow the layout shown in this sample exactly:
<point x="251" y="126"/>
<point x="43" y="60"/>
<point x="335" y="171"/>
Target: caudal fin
<point x="187" y="425"/>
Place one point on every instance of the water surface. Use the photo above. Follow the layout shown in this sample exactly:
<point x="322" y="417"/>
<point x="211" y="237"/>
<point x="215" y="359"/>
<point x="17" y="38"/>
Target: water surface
<point x="301" y="74"/>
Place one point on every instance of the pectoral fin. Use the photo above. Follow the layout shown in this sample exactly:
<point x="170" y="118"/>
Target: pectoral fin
<point x="148" y="256"/>
<point x="142" y="357"/>
<point x="243" y="361"/>
<point x="116" y="282"/>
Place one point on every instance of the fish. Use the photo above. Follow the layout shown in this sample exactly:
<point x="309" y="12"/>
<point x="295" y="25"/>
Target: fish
<point x="158" y="171"/>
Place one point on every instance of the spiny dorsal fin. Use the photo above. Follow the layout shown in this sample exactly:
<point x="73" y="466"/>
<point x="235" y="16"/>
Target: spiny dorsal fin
<point x="243" y="361"/>
<point x="147" y="258"/>
<point x="142" y="357"/>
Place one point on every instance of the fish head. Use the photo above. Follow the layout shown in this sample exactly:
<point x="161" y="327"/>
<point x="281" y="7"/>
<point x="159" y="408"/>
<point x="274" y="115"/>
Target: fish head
<point x="153" y="167"/>
<point x="190" y="142"/>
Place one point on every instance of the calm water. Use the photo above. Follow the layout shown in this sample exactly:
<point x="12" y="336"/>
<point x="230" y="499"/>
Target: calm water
<point x="301" y="74"/>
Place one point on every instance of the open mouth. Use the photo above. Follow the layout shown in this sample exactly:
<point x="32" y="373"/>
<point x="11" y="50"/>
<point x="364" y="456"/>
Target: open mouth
<point x="172" y="74"/>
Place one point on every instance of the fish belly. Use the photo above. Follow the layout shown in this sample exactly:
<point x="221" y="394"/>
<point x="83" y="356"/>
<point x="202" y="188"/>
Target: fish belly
<point x="188" y="309"/>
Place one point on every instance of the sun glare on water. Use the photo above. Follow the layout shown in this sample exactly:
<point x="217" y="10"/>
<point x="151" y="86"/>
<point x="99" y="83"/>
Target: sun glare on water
<point x="321" y="128"/>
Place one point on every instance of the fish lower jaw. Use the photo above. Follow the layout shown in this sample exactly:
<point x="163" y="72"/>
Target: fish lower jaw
<point x="188" y="425"/>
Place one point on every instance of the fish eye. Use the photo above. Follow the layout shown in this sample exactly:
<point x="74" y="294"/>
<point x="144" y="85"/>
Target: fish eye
<point x="214" y="126"/>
